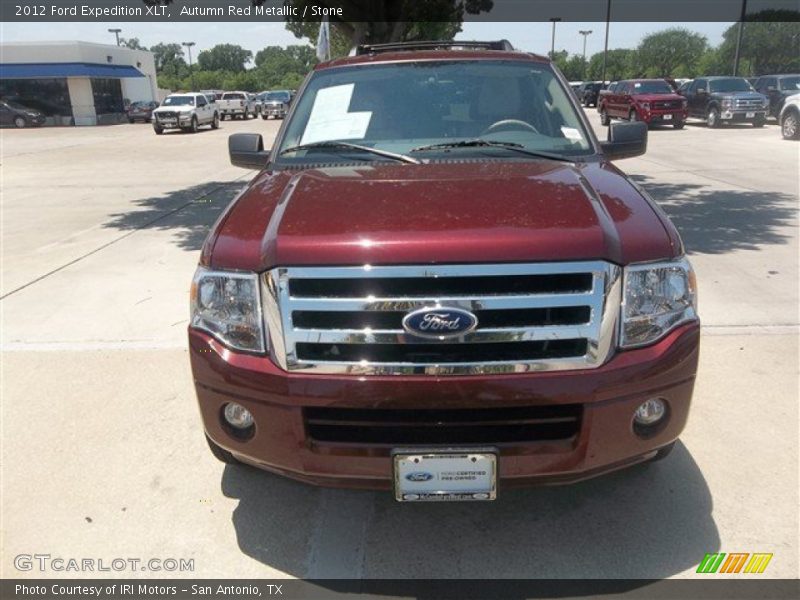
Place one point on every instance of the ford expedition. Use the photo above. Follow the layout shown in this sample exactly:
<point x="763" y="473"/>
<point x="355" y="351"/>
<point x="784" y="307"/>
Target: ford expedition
<point x="438" y="284"/>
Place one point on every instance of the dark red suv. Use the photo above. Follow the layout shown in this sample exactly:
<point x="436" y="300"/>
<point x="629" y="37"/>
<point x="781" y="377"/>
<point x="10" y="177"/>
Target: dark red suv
<point x="652" y="101"/>
<point x="438" y="284"/>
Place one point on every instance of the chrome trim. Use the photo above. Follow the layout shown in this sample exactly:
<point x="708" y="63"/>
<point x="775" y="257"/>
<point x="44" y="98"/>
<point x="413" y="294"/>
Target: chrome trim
<point x="600" y="332"/>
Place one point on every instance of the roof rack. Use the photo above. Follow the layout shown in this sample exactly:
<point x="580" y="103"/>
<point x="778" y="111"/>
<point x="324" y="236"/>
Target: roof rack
<point x="432" y="45"/>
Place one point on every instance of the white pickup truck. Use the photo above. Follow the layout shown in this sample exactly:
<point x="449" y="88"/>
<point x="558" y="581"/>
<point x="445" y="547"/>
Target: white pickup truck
<point x="237" y="104"/>
<point x="185" y="111"/>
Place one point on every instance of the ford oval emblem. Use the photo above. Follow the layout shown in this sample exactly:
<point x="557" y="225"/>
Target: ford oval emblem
<point x="439" y="322"/>
<point x="419" y="476"/>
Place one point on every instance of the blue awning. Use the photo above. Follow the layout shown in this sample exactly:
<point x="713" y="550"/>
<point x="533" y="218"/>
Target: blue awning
<point x="49" y="70"/>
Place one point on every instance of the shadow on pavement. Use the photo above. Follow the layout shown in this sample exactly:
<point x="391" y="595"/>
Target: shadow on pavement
<point x="713" y="221"/>
<point x="650" y="521"/>
<point x="187" y="213"/>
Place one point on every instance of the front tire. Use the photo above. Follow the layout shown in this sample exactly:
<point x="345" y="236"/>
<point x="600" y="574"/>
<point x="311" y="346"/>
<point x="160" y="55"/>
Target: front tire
<point x="20" y="122"/>
<point x="790" y="126"/>
<point x="193" y="126"/>
<point x="678" y="124"/>
<point x="215" y="121"/>
<point x="712" y="117"/>
<point x="664" y="452"/>
<point x="158" y="129"/>
<point x="604" y="120"/>
<point x="759" y="122"/>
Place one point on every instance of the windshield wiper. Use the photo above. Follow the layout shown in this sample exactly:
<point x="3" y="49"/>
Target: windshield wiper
<point x="479" y="143"/>
<point x="349" y="146"/>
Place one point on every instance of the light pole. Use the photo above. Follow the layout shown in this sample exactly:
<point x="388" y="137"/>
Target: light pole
<point x="116" y="34"/>
<point x="585" y="33"/>
<point x="605" y="48"/>
<point x="553" y="20"/>
<point x="191" y="70"/>
<point x="739" y="39"/>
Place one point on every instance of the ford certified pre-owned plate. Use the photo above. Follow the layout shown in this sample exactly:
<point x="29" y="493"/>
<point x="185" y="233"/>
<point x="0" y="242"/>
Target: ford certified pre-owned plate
<point x="749" y="115"/>
<point x="667" y="117"/>
<point x="450" y="475"/>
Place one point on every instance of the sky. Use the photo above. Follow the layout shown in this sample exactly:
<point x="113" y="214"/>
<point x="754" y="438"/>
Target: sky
<point x="531" y="37"/>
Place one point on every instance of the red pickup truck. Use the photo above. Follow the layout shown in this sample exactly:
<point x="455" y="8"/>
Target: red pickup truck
<point x="439" y="284"/>
<point x="652" y="101"/>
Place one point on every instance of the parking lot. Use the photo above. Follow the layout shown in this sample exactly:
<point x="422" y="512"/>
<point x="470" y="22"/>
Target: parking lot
<point x="103" y="453"/>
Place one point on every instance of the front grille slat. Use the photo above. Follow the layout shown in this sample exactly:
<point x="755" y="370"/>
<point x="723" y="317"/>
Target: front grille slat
<point x="530" y="317"/>
<point x="441" y="427"/>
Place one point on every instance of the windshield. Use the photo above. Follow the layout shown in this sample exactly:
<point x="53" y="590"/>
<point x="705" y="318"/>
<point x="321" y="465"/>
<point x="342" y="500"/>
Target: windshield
<point x="279" y="96"/>
<point x="652" y="87"/>
<point x="400" y="107"/>
<point x="731" y="84"/>
<point x="179" y="101"/>
<point x="790" y="83"/>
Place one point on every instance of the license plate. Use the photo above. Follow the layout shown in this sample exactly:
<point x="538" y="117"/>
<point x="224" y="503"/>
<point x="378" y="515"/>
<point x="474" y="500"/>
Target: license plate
<point x="749" y="115"/>
<point x="667" y="117"/>
<point x="169" y="122"/>
<point x="445" y="476"/>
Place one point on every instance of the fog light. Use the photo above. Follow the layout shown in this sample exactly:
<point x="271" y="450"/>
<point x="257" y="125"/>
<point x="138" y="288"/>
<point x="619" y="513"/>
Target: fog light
<point x="650" y="412"/>
<point x="237" y="416"/>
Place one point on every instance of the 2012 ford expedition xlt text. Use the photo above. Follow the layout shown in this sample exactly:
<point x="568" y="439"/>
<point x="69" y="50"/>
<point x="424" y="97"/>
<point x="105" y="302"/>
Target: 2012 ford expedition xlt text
<point x="438" y="284"/>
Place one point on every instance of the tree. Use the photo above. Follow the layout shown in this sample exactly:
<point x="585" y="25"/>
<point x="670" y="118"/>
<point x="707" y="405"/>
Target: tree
<point x="168" y="57"/>
<point x="132" y="43"/>
<point x="618" y="65"/>
<point x="670" y="53"/>
<point x="224" y="57"/>
<point x="770" y="44"/>
<point x="284" y="67"/>
<point x="379" y="21"/>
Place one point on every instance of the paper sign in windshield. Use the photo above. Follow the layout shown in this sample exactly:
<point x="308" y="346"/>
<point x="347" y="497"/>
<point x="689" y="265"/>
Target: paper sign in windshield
<point x="330" y="119"/>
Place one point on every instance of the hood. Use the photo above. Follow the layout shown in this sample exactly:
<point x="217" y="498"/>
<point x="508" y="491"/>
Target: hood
<point x="481" y="211"/>
<point x="179" y="108"/>
<point x="656" y="97"/>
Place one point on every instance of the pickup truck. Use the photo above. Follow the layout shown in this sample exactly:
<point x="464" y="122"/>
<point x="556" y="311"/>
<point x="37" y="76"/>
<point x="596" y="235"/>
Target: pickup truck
<point x="239" y="105"/>
<point x="719" y="100"/>
<point x="777" y="88"/>
<point x="439" y="284"/>
<point x="275" y="104"/>
<point x="652" y="101"/>
<point x="186" y="112"/>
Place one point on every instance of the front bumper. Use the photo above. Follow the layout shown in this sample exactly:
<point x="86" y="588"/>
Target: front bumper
<point x="605" y="442"/>
<point x="743" y="116"/>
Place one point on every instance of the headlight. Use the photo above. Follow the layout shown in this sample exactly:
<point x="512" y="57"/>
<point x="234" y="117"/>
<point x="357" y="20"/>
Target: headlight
<point x="658" y="298"/>
<point x="765" y="102"/>
<point x="727" y="102"/>
<point x="226" y="304"/>
<point x="684" y="103"/>
<point x="645" y="105"/>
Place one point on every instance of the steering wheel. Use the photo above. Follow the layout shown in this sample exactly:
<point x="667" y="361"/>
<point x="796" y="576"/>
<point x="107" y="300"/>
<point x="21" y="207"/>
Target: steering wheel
<point x="507" y="122"/>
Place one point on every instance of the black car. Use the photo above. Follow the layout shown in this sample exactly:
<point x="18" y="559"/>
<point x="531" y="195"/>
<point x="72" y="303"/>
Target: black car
<point x="719" y="100"/>
<point x="588" y="92"/>
<point x="777" y="88"/>
<point x="141" y="111"/>
<point x="17" y="115"/>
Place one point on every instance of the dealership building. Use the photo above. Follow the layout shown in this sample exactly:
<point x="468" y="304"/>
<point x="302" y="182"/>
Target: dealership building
<point x="76" y="83"/>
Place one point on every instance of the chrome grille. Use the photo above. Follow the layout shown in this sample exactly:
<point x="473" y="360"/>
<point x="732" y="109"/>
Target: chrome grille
<point x="666" y="104"/>
<point x="531" y="317"/>
<point x="748" y="103"/>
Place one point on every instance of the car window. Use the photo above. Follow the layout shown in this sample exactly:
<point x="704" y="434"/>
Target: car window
<point x="790" y="83"/>
<point x="277" y="96"/>
<point x="652" y="87"/>
<point x="179" y="101"/>
<point x="730" y="84"/>
<point x="401" y="106"/>
<point x="201" y="101"/>
<point x="233" y="96"/>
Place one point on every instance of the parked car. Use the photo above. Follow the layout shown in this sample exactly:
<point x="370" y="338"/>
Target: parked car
<point x="403" y="294"/>
<point x="777" y="88"/>
<point x="588" y="92"/>
<point x="185" y="111"/>
<point x="141" y="111"/>
<point x="652" y="101"/>
<point x="19" y="116"/>
<point x="790" y="118"/>
<point x="236" y="105"/>
<point x="719" y="100"/>
<point x="216" y="94"/>
<point x="276" y="104"/>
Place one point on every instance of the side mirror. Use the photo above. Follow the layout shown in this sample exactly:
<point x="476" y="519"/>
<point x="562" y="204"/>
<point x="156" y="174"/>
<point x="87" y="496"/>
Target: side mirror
<point x="625" y="140"/>
<point x="247" y="150"/>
